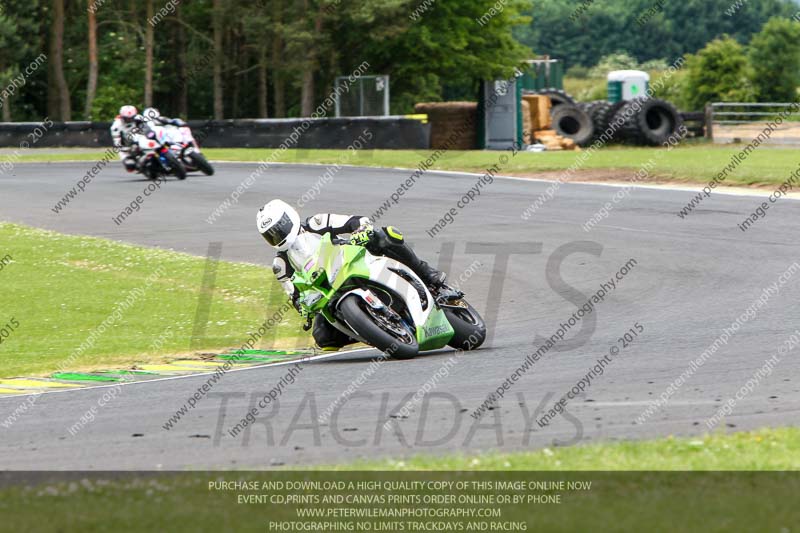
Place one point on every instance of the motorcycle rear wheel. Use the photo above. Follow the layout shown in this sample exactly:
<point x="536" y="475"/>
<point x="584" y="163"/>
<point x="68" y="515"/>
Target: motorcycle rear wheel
<point x="365" y="321"/>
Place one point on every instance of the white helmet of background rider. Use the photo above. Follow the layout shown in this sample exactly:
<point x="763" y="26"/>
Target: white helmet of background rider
<point x="279" y="224"/>
<point x="128" y="112"/>
<point x="151" y="113"/>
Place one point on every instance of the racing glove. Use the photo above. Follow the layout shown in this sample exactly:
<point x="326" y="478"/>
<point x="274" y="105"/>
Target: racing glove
<point x="362" y="235"/>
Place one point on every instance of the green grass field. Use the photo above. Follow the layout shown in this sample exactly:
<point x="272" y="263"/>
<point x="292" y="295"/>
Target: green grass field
<point x="696" y="163"/>
<point x="765" y="449"/>
<point x="619" y="490"/>
<point x="61" y="288"/>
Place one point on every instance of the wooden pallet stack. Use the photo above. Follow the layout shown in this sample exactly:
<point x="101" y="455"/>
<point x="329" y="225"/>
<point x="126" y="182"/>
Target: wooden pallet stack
<point x="537" y="108"/>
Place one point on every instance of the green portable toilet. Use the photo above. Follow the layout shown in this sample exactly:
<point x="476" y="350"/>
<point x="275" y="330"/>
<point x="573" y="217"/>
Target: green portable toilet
<point x="627" y="84"/>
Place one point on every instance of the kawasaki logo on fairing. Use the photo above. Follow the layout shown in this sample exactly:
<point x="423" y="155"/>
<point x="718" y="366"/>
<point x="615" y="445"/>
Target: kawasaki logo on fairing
<point x="437" y="330"/>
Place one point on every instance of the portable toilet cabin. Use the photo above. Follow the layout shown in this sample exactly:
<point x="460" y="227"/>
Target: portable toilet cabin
<point x="627" y="84"/>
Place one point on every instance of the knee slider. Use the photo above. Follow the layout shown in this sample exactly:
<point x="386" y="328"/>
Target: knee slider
<point x="394" y="234"/>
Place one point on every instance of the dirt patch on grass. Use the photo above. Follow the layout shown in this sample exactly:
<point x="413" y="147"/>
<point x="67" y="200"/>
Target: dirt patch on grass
<point x="623" y="176"/>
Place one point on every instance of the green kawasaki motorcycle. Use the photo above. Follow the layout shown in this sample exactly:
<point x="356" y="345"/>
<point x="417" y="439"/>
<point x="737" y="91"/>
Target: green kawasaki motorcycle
<point x="379" y="301"/>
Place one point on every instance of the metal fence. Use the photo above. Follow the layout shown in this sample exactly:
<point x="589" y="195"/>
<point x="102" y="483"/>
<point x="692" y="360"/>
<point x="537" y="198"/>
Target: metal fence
<point x="367" y="97"/>
<point x="740" y="122"/>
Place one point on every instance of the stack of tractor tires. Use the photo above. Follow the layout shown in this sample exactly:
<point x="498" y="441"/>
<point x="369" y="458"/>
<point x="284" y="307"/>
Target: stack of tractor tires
<point x="641" y="121"/>
<point x="602" y="113"/>
<point x="647" y="121"/>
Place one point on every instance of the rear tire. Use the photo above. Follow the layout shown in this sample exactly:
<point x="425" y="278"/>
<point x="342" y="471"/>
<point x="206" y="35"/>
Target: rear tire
<point x="202" y="163"/>
<point x="468" y="326"/>
<point x="353" y="311"/>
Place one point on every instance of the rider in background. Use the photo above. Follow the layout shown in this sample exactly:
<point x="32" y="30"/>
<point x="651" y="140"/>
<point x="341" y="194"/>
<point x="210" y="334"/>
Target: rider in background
<point x="126" y="123"/>
<point x="153" y="115"/>
<point x="279" y="225"/>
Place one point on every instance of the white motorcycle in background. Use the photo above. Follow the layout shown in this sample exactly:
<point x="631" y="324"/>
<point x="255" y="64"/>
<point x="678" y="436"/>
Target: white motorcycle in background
<point x="154" y="155"/>
<point x="185" y="147"/>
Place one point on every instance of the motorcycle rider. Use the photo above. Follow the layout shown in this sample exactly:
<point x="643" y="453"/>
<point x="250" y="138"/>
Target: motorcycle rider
<point x="280" y="224"/>
<point x="151" y="114"/>
<point x="125" y="124"/>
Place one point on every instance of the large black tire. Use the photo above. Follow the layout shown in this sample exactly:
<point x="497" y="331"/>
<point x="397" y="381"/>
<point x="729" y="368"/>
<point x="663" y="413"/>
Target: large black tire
<point x="201" y="163"/>
<point x="649" y="121"/>
<point x="175" y="165"/>
<point x="558" y="97"/>
<point x="353" y="311"/>
<point x="602" y="116"/>
<point x="469" y="328"/>
<point x="571" y="121"/>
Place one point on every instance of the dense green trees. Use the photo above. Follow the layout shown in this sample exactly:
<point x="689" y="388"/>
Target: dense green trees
<point x="246" y="58"/>
<point x="609" y="26"/>
<point x="276" y="58"/>
<point x="720" y="72"/>
<point x="775" y="60"/>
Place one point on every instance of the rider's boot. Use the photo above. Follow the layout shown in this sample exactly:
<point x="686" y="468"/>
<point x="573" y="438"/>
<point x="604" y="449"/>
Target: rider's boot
<point x="390" y="243"/>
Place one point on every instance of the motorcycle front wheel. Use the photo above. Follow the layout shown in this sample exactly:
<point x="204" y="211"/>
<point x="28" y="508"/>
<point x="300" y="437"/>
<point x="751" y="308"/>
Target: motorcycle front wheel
<point x="175" y="165"/>
<point x="202" y="164"/>
<point x="468" y="326"/>
<point x="389" y="336"/>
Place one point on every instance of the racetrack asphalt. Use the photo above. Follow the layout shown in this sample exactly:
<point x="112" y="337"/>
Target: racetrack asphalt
<point x="693" y="277"/>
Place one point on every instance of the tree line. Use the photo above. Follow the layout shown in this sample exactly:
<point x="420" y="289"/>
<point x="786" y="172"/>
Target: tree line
<point x="279" y="58"/>
<point x="244" y="58"/>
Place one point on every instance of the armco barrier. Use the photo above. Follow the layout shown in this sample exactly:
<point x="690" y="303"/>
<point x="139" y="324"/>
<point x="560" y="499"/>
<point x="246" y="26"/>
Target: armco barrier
<point x="393" y="132"/>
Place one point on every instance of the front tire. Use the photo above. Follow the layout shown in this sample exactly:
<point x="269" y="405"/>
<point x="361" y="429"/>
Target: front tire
<point x="362" y="319"/>
<point x="468" y="326"/>
<point x="202" y="163"/>
<point x="175" y="165"/>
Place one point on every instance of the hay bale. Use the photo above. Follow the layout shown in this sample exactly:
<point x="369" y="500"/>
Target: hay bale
<point x="540" y="110"/>
<point x="454" y="125"/>
<point x="527" y="124"/>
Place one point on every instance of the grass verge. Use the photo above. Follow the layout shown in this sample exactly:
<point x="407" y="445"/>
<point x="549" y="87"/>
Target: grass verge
<point x="59" y="289"/>
<point x="694" y="163"/>
<point x="573" y="501"/>
<point x="764" y="449"/>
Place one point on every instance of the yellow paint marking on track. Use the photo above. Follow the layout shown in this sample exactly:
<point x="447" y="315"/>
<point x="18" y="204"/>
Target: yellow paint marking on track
<point x="13" y="391"/>
<point x="35" y="384"/>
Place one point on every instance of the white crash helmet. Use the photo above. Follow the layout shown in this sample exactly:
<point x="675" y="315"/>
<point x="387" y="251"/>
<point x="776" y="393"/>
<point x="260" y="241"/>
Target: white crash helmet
<point x="128" y="112"/>
<point x="279" y="224"/>
<point x="151" y="113"/>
